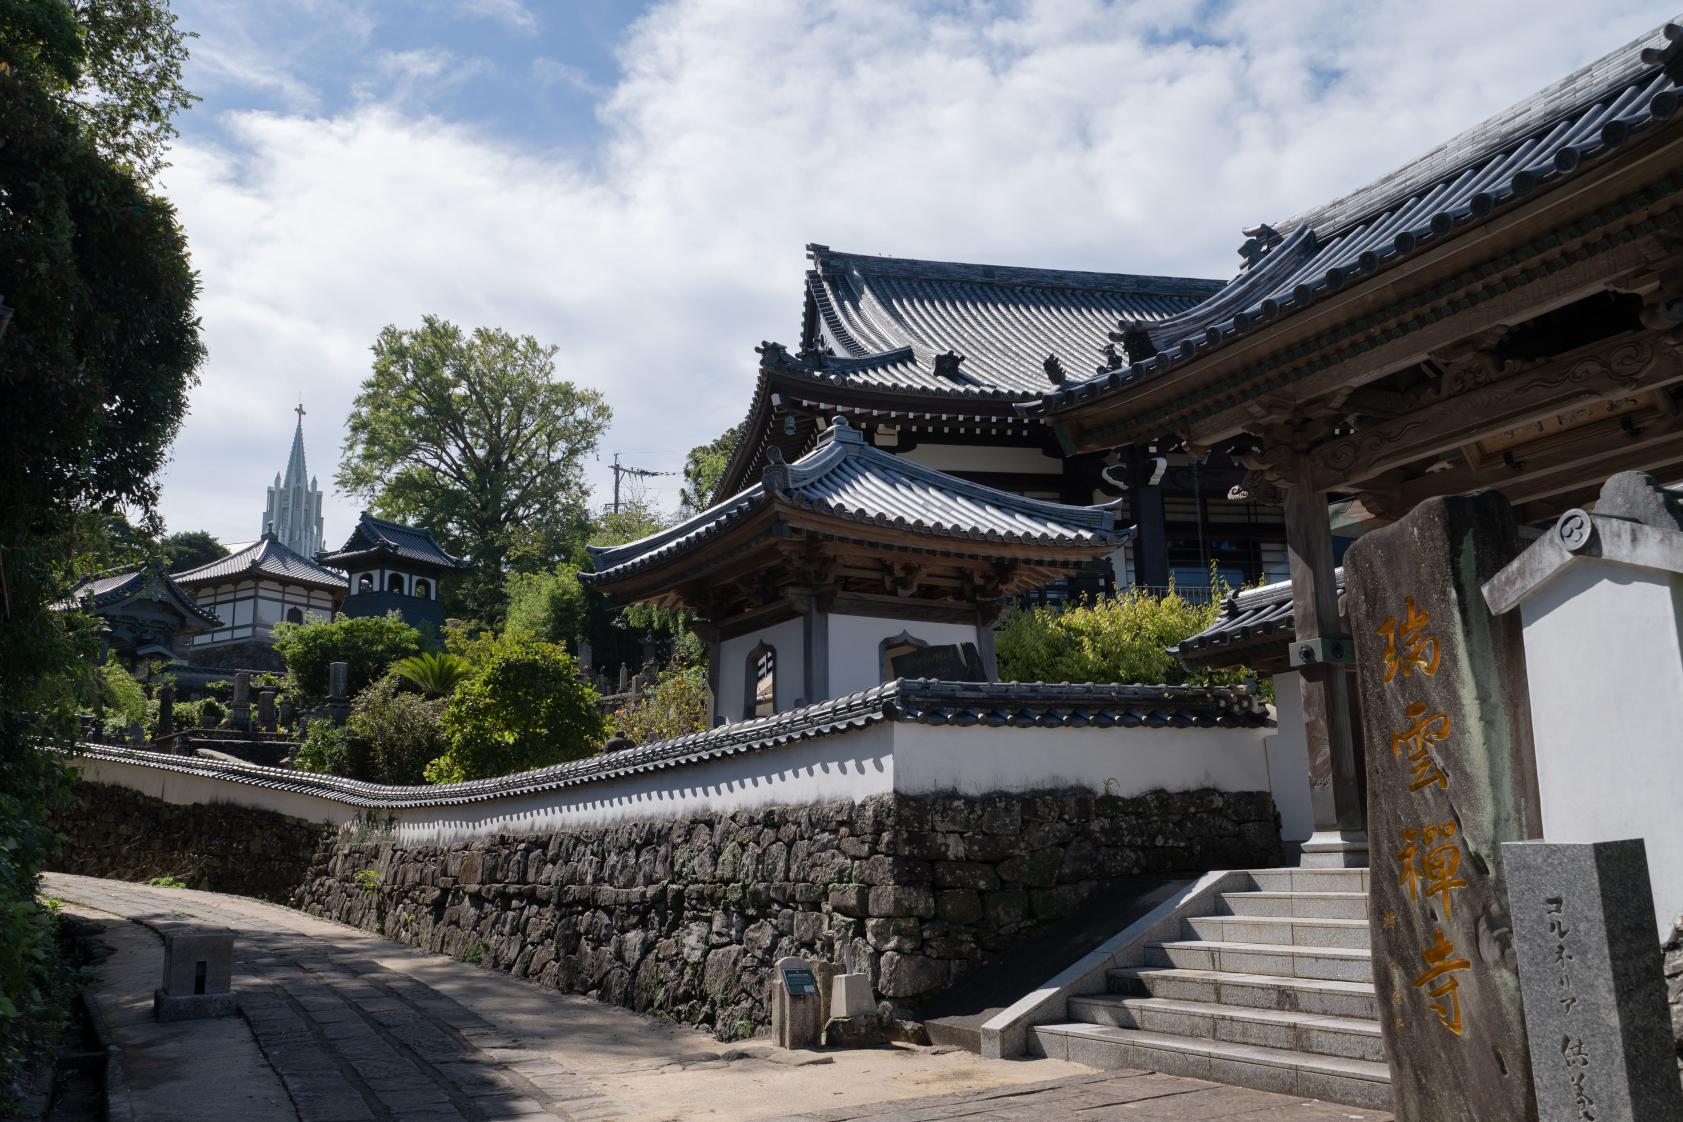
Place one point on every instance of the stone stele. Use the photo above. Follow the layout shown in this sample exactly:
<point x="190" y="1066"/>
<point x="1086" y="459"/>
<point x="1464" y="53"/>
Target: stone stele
<point x="1450" y="776"/>
<point x="1593" y="980"/>
<point x="797" y="1009"/>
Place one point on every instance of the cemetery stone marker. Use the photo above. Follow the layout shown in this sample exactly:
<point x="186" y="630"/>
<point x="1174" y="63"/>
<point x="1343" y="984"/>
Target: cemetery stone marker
<point x="166" y="712"/>
<point x="1594" y="982"/>
<point x="796" y="1009"/>
<point x="1450" y="776"/>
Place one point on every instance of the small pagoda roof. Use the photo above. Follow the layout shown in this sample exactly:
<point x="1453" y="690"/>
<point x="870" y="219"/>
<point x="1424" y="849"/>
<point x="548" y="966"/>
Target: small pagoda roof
<point x="376" y="539"/>
<point x="107" y="590"/>
<point x="1555" y="134"/>
<point x="868" y="495"/>
<point x="265" y="557"/>
<point x="1253" y="628"/>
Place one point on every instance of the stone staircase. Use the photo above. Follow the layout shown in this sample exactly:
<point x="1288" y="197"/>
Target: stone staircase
<point x="1274" y="991"/>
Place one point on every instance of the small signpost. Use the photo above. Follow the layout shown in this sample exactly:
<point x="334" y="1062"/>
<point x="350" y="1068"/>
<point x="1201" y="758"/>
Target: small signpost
<point x="198" y="974"/>
<point x="797" y="1011"/>
<point x="1593" y="981"/>
<point x="1450" y="776"/>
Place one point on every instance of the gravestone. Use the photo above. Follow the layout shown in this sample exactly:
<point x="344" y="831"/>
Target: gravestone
<point x="286" y="713"/>
<point x="166" y="712"/>
<point x="338" y="691"/>
<point x="796" y="1009"/>
<point x="948" y="662"/>
<point x="239" y="709"/>
<point x="198" y="973"/>
<point x="1593" y="981"/>
<point x="266" y="710"/>
<point x="1450" y="777"/>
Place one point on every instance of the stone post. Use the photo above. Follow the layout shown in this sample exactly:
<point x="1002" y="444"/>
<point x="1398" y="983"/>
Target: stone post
<point x="1594" y="985"/>
<point x="1450" y="777"/>
<point x="266" y="710"/>
<point x="239" y="710"/>
<point x="338" y="692"/>
<point x="286" y="713"/>
<point x="166" y="712"/>
<point x="586" y="667"/>
<point x="796" y="1007"/>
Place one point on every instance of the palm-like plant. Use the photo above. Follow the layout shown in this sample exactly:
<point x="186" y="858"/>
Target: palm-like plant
<point x="435" y="673"/>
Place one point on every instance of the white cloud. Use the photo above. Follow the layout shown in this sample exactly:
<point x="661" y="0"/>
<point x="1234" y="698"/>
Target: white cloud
<point x="1063" y="134"/>
<point x="552" y="72"/>
<point x="511" y="13"/>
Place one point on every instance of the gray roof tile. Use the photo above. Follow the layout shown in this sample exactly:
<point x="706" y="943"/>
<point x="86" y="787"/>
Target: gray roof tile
<point x="379" y="536"/>
<point x="266" y="557"/>
<point x="1248" y="618"/>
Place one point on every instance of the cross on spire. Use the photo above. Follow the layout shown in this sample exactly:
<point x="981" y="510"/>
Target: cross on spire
<point x="299" y="409"/>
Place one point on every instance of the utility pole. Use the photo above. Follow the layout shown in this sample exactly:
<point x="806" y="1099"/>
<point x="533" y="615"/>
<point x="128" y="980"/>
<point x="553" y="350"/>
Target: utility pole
<point x="640" y="473"/>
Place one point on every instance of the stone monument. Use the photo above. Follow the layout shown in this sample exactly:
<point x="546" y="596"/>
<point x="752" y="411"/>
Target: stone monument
<point x="339" y="691"/>
<point x="796" y="1009"/>
<point x="1450" y="776"/>
<point x="266" y="710"/>
<point x="198" y="974"/>
<point x="1593" y="981"/>
<point x="239" y="709"/>
<point x="166" y="712"/>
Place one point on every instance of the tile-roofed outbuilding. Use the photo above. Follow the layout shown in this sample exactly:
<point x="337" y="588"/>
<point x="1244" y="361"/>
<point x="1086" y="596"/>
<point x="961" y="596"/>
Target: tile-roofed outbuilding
<point x="107" y="590"/>
<point x="848" y="481"/>
<point x="1557" y="133"/>
<point x="1253" y="628"/>
<point x="919" y="701"/>
<point x="376" y="538"/>
<point x="265" y="557"/>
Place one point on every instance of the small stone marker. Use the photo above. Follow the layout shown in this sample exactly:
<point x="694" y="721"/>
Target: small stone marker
<point x="239" y="709"/>
<point x="795" y="1006"/>
<point x="850" y="996"/>
<point x="266" y="710"/>
<point x="198" y="973"/>
<point x="1450" y="776"/>
<point x="285" y="713"/>
<point x="1591" y="974"/>
<point x="338" y="691"/>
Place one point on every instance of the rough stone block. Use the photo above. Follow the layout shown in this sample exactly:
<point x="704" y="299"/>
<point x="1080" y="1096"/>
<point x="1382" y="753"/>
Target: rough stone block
<point x="902" y="900"/>
<point x="850" y="899"/>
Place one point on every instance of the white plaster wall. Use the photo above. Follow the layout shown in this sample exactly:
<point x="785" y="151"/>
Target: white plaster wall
<point x="856" y="641"/>
<point x="733" y="661"/>
<point x="1605" y="664"/>
<point x="942" y="759"/>
<point x="181" y="789"/>
<point x="1288" y="760"/>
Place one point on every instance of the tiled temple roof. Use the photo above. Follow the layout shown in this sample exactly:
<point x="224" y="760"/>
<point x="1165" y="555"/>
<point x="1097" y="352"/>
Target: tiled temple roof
<point x="1249" y="618"/>
<point x="846" y="478"/>
<point x="265" y="557"/>
<point x="1551" y="136"/>
<point x="1003" y="321"/>
<point x="106" y="589"/>
<point x="921" y="701"/>
<point x="377" y="537"/>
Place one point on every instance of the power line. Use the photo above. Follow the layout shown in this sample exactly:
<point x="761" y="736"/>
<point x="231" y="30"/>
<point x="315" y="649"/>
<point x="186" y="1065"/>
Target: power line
<point x="640" y="473"/>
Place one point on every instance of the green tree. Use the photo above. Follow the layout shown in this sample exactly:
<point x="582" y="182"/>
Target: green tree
<point x="97" y="362"/>
<point x="188" y="549"/>
<point x="674" y="706"/>
<point x="370" y="644"/>
<point x="474" y="437"/>
<point x="705" y="466"/>
<point x="551" y="606"/>
<point x="1124" y="639"/>
<point x="434" y="673"/>
<point x="524" y="707"/>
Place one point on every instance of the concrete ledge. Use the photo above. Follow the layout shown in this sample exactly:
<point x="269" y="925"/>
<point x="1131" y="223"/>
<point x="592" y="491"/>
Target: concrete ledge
<point x="1007" y="1034"/>
<point x="193" y="1006"/>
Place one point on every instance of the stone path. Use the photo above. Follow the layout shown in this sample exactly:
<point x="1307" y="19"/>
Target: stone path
<point x="341" y="1026"/>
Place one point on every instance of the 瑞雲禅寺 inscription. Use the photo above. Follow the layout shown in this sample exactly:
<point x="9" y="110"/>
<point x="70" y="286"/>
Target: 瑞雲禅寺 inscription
<point x="1450" y="777"/>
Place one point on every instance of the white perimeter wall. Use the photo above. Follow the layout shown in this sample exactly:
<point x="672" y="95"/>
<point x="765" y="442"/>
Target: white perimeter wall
<point x="1605" y="666"/>
<point x="1288" y="760"/>
<point x="887" y="756"/>
<point x="786" y="638"/>
<point x="856" y="647"/>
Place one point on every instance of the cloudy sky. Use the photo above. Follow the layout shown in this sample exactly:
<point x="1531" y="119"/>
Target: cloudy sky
<point x="635" y="184"/>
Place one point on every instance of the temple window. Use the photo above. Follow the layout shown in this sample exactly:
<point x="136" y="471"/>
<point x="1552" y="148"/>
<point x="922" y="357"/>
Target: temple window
<point x="761" y="682"/>
<point x="891" y="649"/>
<point x="394" y="582"/>
<point x="365" y="583"/>
<point x="293" y="615"/>
<point x="423" y="589"/>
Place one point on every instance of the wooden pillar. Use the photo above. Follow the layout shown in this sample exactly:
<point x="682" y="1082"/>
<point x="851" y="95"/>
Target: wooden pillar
<point x="1340" y="837"/>
<point x="1145" y="502"/>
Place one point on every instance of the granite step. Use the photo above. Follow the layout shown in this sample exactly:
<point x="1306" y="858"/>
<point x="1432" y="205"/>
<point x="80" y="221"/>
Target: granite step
<point x="1310" y="880"/>
<point x="1315" y="996"/>
<point x="1296" y="931"/>
<point x="1361" y="1083"/>
<point x="1280" y="960"/>
<point x="1350" y="1038"/>
<point x="1304" y="905"/>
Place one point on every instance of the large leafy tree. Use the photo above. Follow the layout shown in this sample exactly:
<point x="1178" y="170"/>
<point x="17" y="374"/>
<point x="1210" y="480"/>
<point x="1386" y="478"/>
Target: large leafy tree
<point x="188" y="549"/>
<point x="705" y="466"/>
<point x="95" y="366"/>
<point x="474" y="437"/>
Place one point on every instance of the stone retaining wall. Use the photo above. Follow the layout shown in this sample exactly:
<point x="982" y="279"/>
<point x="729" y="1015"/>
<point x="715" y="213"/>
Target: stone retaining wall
<point x="114" y="832"/>
<point x="685" y="918"/>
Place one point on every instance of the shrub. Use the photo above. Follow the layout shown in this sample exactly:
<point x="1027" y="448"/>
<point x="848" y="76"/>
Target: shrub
<point x="118" y="700"/>
<point x="522" y="707"/>
<point x="167" y="882"/>
<point x="675" y="705"/>
<point x="370" y="644"/>
<point x="324" y="750"/>
<point x="434" y="673"/>
<point x="210" y="707"/>
<point x="1122" y="640"/>
<point x="549" y="606"/>
<point x="397" y="733"/>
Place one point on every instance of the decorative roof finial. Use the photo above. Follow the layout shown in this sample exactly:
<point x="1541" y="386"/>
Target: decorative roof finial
<point x="1136" y="342"/>
<point x="1670" y="56"/>
<point x="1054" y="370"/>
<point x="1258" y="241"/>
<point x="776" y="476"/>
<point x="946" y="366"/>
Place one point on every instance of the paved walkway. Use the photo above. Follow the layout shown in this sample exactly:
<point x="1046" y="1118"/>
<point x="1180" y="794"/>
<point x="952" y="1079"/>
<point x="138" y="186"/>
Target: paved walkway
<point x="341" y="1026"/>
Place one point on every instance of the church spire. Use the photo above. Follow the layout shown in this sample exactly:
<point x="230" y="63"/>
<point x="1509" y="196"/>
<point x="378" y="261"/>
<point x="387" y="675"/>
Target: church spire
<point x="293" y="510"/>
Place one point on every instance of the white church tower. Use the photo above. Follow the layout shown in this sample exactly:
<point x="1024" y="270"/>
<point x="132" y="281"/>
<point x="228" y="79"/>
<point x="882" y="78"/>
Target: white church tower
<point x="293" y="515"/>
